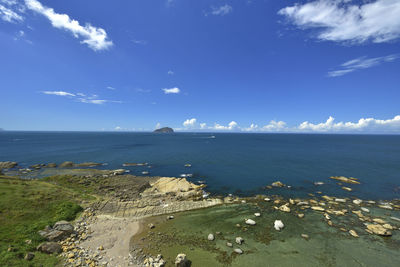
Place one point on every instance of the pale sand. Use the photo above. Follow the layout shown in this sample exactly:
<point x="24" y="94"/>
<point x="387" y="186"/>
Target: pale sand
<point x="114" y="235"/>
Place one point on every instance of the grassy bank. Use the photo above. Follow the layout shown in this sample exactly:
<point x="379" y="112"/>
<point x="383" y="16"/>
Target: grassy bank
<point x="27" y="206"/>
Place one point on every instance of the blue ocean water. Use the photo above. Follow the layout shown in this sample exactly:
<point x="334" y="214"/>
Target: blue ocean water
<point x="228" y="162"/>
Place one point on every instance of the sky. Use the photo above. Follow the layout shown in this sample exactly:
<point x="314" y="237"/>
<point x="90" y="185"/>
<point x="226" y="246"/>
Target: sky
<point x="325" y="66"/>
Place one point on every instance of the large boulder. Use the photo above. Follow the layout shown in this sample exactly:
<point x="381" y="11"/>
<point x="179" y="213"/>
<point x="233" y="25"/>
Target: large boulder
<point x="60" y="231"/>
<point x="49" y="247"/>
<point x="182" y="261"/>
<point x="64" y="226"/>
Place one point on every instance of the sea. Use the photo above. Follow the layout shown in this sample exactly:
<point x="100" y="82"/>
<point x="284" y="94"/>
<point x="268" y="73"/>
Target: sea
<point x="229" y="163"/>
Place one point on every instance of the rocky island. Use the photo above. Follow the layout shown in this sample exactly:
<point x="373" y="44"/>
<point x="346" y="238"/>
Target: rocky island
<point x="164" y="130"/>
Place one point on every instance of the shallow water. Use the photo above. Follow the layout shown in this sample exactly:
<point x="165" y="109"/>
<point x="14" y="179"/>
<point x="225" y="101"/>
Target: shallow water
<point x="229" y="163"/>
<point x="264" y="246"/>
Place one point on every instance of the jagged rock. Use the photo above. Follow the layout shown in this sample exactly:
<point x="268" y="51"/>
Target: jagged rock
<point x="164" y="130"/>
<point x="378" y="220"/>
<point x="278" y="225"/>
<point x="239" y="240"/>
<point x="49" y="247"/>
<point x="118" y="172"/>
<point x="64" y="226"/>
<point x="250" y="222"/>
<point x="210" y="237"/>
<point x="182" y="261"/>
<point x="378" y="230"/>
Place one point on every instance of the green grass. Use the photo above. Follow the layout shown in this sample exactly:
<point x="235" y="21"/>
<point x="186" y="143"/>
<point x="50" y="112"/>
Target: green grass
<point x="27" y="207"/>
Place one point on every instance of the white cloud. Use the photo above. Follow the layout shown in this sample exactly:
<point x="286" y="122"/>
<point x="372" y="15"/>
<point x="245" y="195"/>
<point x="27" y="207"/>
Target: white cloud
<point x="174" y="90"/>
<point x="158" y="125"/>
<point x="59" y="93"/>
<point x="361" y="63"/>
<point x="110" y="87"/>
<point x="231" y="126"/>
<point x="189" y="122"/>
<point x="118" y="128"/>
<point x="93" y="101"/>
<point x="95" y="38"/>
<point x="275" y="126"/>
<point x="344" y="21"/>
<point x="170" y="72"/>
<point x="363" y="125"/>
<point x="9" y="15"/>
<point x="221" y="10"/>
<point x="203" y="125"/>
<point x="253" y="127"/>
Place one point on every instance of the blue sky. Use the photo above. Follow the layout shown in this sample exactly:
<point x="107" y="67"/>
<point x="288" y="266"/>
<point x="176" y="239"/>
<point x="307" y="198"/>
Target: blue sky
<point x="210" y="65"/>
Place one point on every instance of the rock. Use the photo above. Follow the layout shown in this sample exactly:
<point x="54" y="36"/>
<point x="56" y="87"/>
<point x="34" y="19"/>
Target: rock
<point x="250" y="222"/>
<point x="64" y="226"/>
<point x="305" y="236"/>
<point x="388" y="226"/>
<point x="378" y="220"/>
<point x="364" y="209"/>
<point x="343" y="179"/>
<point x="229" y="244"/>
<point x="395" y="219"/>
<point x="134" y="164"/>
<point x="71" y="255"/>
<point x="277" y="184"/>
<point x="100" y="248"/>
<point x="170" y="217"/>
<point x="327" y="198"/>
<point x="317" y="208"/>
<point x="182" y="261"/>
<point x="347" y="188"/>
<point x="49" y="247"/>
<point x="284" y="208"/>
<point x="341" y="200"/>
<point x="300" y="215"/>
<point x="257" y="214"/>
<point x="238" y="251"/>
<point x="267" y="199"/>
<point x="29" y="256"/>
<point x="353" y="233"/>
<point x="88" y="164"/>
<point x="51" y="165"/>
<point x="239" y="240"/>
<point x="210" y="237"/>
<point x="151" y="226"/>
<point x="378" y="230"/>
<point x="66" y="164"/>
<point x="327" y="216"/>
<point x="385" y="206"/>
<point x="164" y="130"/>
<point x="278" y="225"/>
<point x="7" y="164"/>
<point x="119" y="171"/>
<point x="357" y="201"/>
<point x="318" y="183"/>
<point x="53" y="235"/>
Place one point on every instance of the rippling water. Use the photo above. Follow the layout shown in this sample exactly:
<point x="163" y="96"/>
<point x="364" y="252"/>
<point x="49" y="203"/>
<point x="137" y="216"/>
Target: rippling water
<point x="228" y="162"/>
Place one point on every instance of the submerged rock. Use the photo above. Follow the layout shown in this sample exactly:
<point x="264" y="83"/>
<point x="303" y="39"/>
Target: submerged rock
<point x="277" y="184"/>
<point x="239" y="240"/>
<point x="238" y="251"/>
<point x="284" y="208"/>
<point x="378" y="230"/>
<point x="343" y="179"/>
<point x="317" y="208"/>
<point x="250" y="222"/>
<point x="364" y="209"/>
<point x="347" y="188"/>
<point x="357" y="201"/>
<point x="353" y="233"/>
<point x="278" y="225"/>
<point x="66" y="164"/>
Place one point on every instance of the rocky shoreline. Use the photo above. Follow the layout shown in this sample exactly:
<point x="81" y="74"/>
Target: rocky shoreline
<point x="125" y="201"/>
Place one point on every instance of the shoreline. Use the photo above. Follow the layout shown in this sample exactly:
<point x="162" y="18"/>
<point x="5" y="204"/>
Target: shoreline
<point x="129" y="206"/>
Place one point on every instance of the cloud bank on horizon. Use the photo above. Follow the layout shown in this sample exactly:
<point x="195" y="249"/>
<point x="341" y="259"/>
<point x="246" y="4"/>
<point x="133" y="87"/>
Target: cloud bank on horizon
<point x="363" y="125"/>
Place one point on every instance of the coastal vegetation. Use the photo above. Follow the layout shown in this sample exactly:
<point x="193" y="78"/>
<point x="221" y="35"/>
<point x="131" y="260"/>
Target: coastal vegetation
<point x="27" y="206"/>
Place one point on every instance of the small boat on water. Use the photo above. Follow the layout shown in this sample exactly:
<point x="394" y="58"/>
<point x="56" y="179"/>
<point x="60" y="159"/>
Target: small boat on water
<point x="145" y="172"/>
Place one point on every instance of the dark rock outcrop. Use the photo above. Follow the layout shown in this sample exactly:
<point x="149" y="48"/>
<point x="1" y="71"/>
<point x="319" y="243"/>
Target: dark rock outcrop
<point x="7" y="164"/>
<point x="49" y="247"/>
<point x="164" y="130"/>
